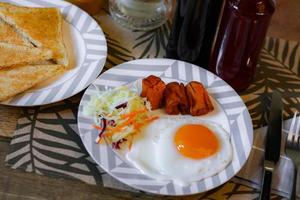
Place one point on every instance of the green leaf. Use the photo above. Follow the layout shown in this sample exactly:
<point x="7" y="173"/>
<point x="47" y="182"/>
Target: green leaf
<point x="293" y="56"/>
<point x="276" y="48"/>
<point x="20" y="126"/>
<point x="270" y="44"/>
<point x="152" y="42"/>
<point x="157" y="43"/>
<point x="142" y="42"/>
<point x="118" y="46"/>
<point x="117" y="53"/>
<point x="162" y="39"/>
<point x="57" y="122"/>
<point x="146" y="50"/>
<point x="285" y="51"/>
<point x="145" y="34"/>
<point x="61" y="167"/>
<point x="273" y="74"/>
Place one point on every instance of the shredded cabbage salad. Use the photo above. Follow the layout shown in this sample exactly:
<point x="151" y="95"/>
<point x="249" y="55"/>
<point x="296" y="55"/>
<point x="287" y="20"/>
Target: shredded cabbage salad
<point x="118" y="114"/>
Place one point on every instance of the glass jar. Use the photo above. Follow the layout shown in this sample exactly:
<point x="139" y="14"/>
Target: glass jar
<point x="140" y="14"/>
<point x="240" y="37"/>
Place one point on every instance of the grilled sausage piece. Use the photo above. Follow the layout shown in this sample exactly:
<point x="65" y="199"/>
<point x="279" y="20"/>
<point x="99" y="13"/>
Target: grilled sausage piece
<point x="153" y="89"/>
<point x="198" y="99"/>
<point x="175" y="99"/>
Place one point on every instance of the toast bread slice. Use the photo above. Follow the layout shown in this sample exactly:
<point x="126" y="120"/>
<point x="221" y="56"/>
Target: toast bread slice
<point x="9" y="35"/>
<point x="11" y="55"/>
<point x="41" y="26"/>
<point x="18" y="79"/>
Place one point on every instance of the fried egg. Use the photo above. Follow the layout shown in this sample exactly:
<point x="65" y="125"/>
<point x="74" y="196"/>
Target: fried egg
<point x="183" y="149"/>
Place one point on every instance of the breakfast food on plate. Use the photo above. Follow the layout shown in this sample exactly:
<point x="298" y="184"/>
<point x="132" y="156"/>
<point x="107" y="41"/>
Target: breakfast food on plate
<point x="11" y="54"/>
<point x="153" y="89"/>
<point x="180" y="148"/>
<point x="18" y="79"/>
<point x="175" y="99"/>
<point x="190" y="99"/>
<point x="9" y="35"/>
<point x="41" y="26"/>
<point x="119" y="114"/>
<point x="199" y="100"/>
<point x="183" y="149"/>
<point x="31" y="47"/>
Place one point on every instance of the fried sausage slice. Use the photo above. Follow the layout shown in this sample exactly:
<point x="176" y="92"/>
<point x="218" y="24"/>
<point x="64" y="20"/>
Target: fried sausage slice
<point x="198" y="99"/>
<point x="175" y="99"/>
<point x="153" y="89"/>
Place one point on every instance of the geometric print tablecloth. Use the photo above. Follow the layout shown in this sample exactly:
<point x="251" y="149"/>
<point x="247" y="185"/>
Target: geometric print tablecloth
<point x="278" y="68"/>
<point x="46" y="143"/>
<point x="46" y="140"/>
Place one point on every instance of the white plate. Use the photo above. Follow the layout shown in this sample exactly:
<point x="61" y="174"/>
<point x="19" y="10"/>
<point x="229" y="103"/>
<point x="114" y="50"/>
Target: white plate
<point x="87" y="49"/>
<point x="230" y="112"/>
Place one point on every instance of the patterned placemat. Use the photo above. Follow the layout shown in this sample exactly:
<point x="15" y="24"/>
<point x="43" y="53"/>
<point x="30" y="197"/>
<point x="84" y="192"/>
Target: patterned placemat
<point x="46" y="141"/>
<point x="278" y="68"/>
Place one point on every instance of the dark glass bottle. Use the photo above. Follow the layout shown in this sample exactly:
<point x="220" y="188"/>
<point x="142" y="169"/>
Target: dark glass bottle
<point x="194" y="27"/>
<point x="240" y="37"/>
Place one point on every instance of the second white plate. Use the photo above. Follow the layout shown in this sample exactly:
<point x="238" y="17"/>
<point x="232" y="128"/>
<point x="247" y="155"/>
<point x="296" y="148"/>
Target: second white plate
<point x="87" y="49"/>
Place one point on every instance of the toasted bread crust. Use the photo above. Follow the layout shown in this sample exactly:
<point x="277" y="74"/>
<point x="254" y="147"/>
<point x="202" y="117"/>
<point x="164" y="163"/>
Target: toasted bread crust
<point x="41" y="26"/>
<point x="9" y="35"/>
<point x="11" y="54"/>
<point x="18" y="79"/>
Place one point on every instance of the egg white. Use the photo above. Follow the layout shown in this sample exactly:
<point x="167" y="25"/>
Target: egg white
<point x="154" y="152"/>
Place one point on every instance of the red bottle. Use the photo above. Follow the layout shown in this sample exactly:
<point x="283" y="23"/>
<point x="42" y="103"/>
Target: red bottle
<point x="241" y="34"/>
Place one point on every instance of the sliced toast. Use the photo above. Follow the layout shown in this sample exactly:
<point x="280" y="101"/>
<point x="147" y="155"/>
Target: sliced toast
<point x="18" y="79"/>
<point x="9" y="35"/>
<point x="11" y="54"/>
<point x="41" y="26"/>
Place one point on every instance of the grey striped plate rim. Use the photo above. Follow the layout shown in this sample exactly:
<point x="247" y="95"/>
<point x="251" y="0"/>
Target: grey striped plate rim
<point x="87" y="71"/>
<point x="238" y="117"/>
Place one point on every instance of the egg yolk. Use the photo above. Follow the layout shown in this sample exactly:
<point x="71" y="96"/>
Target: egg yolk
<point x="196" y="141"/>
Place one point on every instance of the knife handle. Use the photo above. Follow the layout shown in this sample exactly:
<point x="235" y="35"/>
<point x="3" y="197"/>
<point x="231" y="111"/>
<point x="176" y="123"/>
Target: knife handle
<point x="266" y="186"/>
<point x="297" y="196"/>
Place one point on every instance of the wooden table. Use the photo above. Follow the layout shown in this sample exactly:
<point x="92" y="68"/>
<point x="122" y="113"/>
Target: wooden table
<point x="16" y="184"/>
